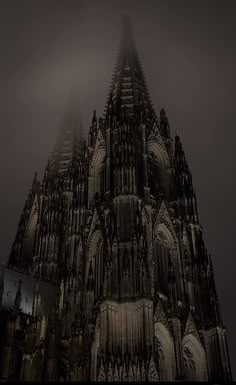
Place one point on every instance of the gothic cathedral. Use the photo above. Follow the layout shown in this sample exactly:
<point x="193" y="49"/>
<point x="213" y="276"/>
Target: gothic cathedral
<point x="108" y="278"/>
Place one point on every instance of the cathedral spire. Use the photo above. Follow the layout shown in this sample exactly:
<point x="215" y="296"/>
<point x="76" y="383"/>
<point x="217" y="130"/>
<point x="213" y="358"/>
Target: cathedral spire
<point x="112" y="236"/>
<point x="128" y="89"/>
<point x="68" y="145"/>
<point x="128" y="49"/>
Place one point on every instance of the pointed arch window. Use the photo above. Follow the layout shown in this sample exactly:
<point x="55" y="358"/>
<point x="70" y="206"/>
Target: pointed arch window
<point x="189" y="365"/>
<point x="165" y="348"/>
<point x="194" y="357"/>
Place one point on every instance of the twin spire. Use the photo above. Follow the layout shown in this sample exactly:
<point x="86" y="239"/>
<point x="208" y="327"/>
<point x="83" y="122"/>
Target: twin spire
<point x="128" y="97"/>
<point x="128" y="88"/>
<point x="69" y="144"/>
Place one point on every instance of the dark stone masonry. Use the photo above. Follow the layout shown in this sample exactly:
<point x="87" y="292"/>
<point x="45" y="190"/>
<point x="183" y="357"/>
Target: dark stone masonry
<point x="109" y="278"/>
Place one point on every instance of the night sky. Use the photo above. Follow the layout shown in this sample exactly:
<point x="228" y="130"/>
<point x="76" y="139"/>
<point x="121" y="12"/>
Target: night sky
<point x="50" y="50"/>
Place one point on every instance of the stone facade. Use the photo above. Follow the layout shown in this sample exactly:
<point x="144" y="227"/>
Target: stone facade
<point x="109" y="278"/>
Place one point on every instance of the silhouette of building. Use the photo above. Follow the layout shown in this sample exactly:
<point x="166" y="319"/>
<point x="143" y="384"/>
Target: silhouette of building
<point x="108" y="277"/>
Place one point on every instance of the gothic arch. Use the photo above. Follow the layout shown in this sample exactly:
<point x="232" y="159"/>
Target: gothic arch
<point x="99" y="152"/>
<point x="97" y="170"/>
<point x="94" y="258"/>
<point x="95" y="238"/>
<point x="194" y="356"/>
<point x="163" y="225"/>
<point x="166" y="352"/>
<point x="158" y="150"/>
<point x="165" y="249"/>
<point x="158" y="165"/>
<point x="164" y="235"/>
<point x="28" y="245"/>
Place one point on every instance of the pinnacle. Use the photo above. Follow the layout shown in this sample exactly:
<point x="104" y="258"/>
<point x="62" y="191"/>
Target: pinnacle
<point x="128" y="86"/>
<point x="70" y="138"/>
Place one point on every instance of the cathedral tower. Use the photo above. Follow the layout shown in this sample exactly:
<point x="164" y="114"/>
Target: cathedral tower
<point x="109" y="278"/>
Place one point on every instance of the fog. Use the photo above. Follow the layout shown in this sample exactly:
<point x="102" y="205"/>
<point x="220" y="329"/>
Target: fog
<point x="51" y="50"/>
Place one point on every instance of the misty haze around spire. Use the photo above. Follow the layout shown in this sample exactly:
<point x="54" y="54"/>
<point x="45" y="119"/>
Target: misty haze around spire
<point x="109" y="278"/>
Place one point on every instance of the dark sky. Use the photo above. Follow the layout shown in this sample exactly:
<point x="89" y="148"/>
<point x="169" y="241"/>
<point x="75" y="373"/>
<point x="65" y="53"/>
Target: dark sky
<point x="52" y="49"/>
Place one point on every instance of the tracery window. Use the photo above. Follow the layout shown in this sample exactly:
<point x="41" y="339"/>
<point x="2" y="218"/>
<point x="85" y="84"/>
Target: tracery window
<point x="189" y="365"/>
<point x="165" y="349"/>
<point x="194" y="357"/>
